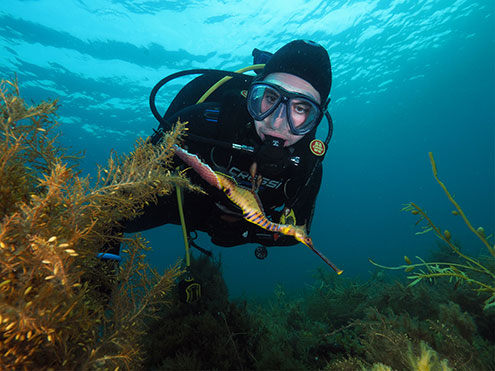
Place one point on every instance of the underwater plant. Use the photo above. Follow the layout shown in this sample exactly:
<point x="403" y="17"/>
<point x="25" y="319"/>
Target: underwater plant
<point x="61" y="307"/>
<point x="476" y="272"/>
<point x="209" y="333"/>
<point x="396" y="339"/>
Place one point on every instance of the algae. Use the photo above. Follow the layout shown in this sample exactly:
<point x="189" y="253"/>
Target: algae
<point x="477" y="272"/>
<point x="53" y="223"/>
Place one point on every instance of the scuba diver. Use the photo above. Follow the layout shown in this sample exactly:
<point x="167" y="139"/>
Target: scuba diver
<point x="259" y="130"/>
<point x="268" y="119"/>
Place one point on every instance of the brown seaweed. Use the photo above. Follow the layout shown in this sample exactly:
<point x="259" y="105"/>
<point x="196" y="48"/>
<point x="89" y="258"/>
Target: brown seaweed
<point x="53" y="222"/>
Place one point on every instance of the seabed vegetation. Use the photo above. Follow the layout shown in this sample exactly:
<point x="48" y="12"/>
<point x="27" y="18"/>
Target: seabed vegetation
<point x="479" y="273"/>
<point x="63" y="308"/>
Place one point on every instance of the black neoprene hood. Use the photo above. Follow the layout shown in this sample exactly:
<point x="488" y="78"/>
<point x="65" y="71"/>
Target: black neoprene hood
<point x="305" y="59"/>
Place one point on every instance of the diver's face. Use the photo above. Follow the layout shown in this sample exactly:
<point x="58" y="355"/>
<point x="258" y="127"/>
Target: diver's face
<point x="276" y="125"/>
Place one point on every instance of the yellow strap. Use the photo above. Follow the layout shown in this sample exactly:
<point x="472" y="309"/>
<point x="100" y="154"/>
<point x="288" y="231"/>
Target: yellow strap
<point x="183" y="224"/>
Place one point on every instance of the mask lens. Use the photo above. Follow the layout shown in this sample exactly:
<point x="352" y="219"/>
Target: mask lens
<point x="262" y="101"/>
<point x="304" y="115"/>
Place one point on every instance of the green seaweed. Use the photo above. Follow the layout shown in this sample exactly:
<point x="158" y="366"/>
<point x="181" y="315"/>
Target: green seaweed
<point x="352" y="325"/>
<point x="478" y="273"/>
<point x="211" y="333"/>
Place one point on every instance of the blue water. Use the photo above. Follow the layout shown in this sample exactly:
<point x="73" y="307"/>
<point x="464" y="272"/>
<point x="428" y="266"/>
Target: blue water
<point x="409" y="77"/>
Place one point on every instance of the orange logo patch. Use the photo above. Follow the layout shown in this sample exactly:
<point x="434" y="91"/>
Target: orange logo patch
<point x="317" y="147"/>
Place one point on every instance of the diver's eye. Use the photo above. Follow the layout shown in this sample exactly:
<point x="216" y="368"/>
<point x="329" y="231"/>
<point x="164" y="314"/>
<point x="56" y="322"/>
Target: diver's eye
<point x="270" y="98"/>
<point x="301" y="108"/>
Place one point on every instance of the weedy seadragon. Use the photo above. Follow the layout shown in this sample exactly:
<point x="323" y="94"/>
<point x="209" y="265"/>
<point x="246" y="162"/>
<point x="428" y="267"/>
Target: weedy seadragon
<point x="248" y="201"/>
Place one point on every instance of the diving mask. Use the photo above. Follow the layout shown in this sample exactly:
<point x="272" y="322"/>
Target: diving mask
<point x="303" y="113"/>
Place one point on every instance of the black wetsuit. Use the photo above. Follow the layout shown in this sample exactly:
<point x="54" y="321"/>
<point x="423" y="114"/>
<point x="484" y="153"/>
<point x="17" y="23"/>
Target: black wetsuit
<point x="224" y="118"/>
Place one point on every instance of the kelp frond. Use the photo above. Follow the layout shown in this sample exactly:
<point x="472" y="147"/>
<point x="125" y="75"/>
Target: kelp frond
<point x="53" y="223"/>
<point x="478" y="273"/>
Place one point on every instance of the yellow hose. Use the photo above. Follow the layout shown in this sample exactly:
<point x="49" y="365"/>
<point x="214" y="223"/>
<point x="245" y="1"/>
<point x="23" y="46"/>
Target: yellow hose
<point x="183" y="224"/>
<point x="227" y="78"/>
